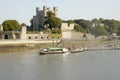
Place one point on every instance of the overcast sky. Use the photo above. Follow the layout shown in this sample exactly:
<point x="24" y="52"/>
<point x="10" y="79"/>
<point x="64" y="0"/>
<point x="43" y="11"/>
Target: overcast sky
<point x="24" y="10"/>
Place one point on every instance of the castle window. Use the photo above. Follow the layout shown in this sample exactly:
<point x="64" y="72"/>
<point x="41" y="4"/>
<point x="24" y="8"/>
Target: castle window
<point x="68" y="24"/>
<point x="41" y="37"/>
<point x="36" y="37"/>
<point x="29" y="37"/>
<point x="6" y="36"/>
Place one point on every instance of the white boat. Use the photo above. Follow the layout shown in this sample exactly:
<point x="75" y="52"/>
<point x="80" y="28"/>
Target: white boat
<point x="53" y="50"/>
<point x="77" y="50"/>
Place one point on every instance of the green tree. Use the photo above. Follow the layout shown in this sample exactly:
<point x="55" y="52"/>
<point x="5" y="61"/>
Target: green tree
<point x="70" y="21"/>
<point x="1" y="32"/>
<point x="23" y="24"/>
<point x="56" y="31"/>
<point x="99" y="31"/>
<point x="112" y="25"/>
<point x="78" y="28"/>
<point x="10" y="25"/>
<point x="118" y="33"/>
<point x="85" y="24"/>
<point x="52" y="20"/>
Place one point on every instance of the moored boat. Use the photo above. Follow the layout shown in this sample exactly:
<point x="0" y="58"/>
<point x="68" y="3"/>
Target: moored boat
<point x="53" y="50"/>
<point x="77" y="50"/>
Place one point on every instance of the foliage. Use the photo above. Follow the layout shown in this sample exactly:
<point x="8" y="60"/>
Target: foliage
<point x="118" y="33"/>
<point x="113" y="25"/>
<point x="23" y="24"/>
<point x="69" y="21"/>
<point x="52" y="21"/>
<point x="56" y="36"/>
<point x="98" y="27"/>
<point x="56" y="31"/>
<point x="85" y="24"/>
<point x="99" y="31"/>
<point x="1" y="32"/>
<point x="10" y="25"/>
<point x="33" y="32"/>
<point x="78" y="28"/>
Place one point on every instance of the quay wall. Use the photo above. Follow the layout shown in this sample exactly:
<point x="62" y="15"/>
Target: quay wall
<point x="10" y="42"/>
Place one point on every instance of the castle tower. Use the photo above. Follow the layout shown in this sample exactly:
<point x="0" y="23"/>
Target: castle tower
<point x="45" y="10"/>
<point x="55" y="10"/>
<point x="37" y="11"/>
<point x="23" y="33"/>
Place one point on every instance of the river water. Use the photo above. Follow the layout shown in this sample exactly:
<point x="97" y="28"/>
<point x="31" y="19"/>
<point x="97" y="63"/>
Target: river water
<point x="88" y="65"/>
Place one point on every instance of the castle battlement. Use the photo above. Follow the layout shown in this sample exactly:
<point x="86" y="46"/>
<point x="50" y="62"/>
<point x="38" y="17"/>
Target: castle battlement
<point x="67" y="27"/>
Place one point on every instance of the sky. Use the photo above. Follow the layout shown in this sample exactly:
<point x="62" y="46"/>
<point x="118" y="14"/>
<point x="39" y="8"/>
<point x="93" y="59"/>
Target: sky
<point x="24" y="10"/>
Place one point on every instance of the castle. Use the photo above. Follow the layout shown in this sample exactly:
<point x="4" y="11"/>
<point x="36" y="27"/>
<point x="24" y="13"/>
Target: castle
<point x="37" y="22"/>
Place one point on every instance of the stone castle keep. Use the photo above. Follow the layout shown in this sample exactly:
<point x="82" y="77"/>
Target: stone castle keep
<point x="38" y="20"/>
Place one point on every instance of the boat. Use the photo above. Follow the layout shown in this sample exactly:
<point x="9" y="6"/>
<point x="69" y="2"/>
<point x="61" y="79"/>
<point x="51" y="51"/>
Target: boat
<point x="53" y="50"/>
<point x="77" y="50"/>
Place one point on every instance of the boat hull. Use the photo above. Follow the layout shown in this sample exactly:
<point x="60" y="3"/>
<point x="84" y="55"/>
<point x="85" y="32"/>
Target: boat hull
<point x="50" y="52"/>
<point x="76" y="50"/>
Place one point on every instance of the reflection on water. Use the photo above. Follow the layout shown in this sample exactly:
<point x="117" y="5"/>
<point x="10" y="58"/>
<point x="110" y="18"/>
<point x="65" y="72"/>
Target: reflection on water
<point x="91" y="65"/>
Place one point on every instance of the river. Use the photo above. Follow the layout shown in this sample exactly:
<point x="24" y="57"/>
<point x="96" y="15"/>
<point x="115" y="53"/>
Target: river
<point x="88" y="65"/>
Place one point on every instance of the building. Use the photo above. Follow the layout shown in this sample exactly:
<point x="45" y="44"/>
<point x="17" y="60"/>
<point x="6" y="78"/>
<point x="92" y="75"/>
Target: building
<point x="23" y="35"/>
<point x="38" y="20"/>
<point x="38" y="24"/>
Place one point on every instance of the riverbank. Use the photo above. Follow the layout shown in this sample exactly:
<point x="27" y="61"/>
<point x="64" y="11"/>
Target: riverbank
<point x="11" y="48"/>
<point x="8" y="46"/>
<point x="14" y="46"/>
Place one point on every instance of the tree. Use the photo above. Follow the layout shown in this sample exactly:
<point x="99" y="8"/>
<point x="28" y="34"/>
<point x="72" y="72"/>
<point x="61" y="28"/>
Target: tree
<point x="112" y="25"/>
<point x="118" y="33"/>
<point x="1" y="32"/>
<point x="23" y="24"/>
<point x="70" y="21"/>
<point x="56" y="31"/>
<point x="52" y="20"/>
<point x="85" y="24"/>
<point x="99" y="31"/>
<point x="78" y="28"/>
<point x="10" y="25"/>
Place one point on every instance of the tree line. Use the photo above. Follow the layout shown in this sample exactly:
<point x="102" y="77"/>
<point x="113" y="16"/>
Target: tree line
<point x="97" y="27"/>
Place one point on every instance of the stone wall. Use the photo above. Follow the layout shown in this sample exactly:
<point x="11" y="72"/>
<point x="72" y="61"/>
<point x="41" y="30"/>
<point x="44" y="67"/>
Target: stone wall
<point x="77" y="35"/>
<point x="67" y="27"/>
<point x="37" y="37"/>
<point x="67" y="35"/>
<point x="23" y="32"/>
